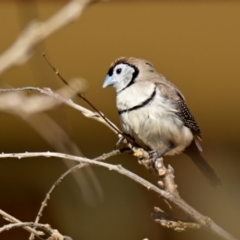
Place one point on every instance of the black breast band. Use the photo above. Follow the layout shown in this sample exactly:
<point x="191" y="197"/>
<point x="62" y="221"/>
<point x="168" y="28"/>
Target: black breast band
<point x="142" y="104"/>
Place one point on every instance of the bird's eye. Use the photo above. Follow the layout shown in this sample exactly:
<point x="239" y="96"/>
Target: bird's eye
<point x="119" y="70"/>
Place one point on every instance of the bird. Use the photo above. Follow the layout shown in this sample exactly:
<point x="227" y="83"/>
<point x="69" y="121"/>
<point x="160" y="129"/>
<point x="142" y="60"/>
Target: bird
<point x="154" y="112"/>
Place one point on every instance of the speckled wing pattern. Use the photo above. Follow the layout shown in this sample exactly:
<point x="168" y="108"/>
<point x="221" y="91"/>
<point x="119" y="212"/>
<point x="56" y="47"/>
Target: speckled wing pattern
<point x="170" y="91"/>
<point x="188" y="118"/>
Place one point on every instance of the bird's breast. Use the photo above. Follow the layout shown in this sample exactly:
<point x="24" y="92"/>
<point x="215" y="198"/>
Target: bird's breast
<point x="154" y="124"/>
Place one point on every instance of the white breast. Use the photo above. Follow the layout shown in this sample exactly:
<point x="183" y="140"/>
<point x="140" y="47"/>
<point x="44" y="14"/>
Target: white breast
<point x="134" y="95"/>
<point x="155" y="125"/>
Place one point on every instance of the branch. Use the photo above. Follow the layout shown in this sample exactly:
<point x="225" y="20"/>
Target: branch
<point x="56" y="95"/>
<point x="21" y="49"/>
<point x="204" y="221"/>
<point x="31" y="109"/>
<point x="170" y="192"/>
<point x="54" y="234"/>
<point x="12" y="219"/>
<point x="171" y="222"/>
<point x="79" y="94"/>
<point x="59" y="180"/>
<point x="10" y="226"/>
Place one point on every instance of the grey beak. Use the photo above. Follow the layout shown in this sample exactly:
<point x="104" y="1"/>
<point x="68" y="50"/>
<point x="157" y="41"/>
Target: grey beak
<point x="109" y="81"/>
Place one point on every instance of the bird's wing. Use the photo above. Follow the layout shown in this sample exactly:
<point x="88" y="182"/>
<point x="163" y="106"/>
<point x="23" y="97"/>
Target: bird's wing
<point x="189" y="121"/>
<point x="187" y="118"/>
<point x="170" y="91"/>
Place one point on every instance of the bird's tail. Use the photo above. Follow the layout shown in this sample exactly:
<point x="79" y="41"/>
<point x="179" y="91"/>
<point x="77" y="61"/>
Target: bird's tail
<point x="193" y="152"/>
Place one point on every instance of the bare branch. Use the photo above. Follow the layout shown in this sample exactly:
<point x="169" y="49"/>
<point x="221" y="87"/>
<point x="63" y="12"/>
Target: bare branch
<point x="171" y="222"/>
<point x="85" y="99"/>
<point x="46" y="227"/>
<point x="29" y="108"/>
<point x="169" y="191"/>
<point x="204" y="221"/>
<point x="16" y="102"/>
<point x="21" y="49"/>
<point x="61" y="99"/>
<point x="59" y="180"/>
<point x="10" y="226"/>
<point x="167" y="176"/>
<point x="12" y="219"/>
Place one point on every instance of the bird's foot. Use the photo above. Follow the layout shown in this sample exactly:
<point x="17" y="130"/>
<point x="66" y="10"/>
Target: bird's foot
<point x="154" y="155"/>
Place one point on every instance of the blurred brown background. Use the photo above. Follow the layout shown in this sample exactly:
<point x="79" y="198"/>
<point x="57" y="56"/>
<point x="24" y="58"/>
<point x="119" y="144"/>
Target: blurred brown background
<point x="196" y="45"/>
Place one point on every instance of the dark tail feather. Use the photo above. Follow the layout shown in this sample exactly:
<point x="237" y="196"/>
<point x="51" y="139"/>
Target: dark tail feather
<point x="193" y="152"/>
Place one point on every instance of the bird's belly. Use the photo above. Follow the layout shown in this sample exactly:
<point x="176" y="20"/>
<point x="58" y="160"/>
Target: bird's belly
<point x="157" y="130"/>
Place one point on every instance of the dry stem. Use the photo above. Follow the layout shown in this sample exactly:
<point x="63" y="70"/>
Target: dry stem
<point x="204" y="221"/>
<point x="169" y="191"/>
<point x="173" y="223"/>
<point x="12" y="219"/>
<point x="59" y="180"/>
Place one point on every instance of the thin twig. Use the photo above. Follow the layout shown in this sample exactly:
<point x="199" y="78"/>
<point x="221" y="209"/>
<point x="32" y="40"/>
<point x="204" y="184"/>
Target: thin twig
<point x="46" y="227"/>
<point x="86" y="112"/>
<point x="59" y="180"/>
<point x="85" y="99"/>
<point x="10" y="226"/>
<point x="31" y="109"/>
<point x="204" y="221"/>
<point x="12" y="219"/>
<point x="176" y="224"/>
<point x="47" y="91"/>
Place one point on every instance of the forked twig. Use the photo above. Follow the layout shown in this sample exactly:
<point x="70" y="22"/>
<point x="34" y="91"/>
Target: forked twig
<point x="168" y="195"/>
<point x="12" y="219"/>
<point x="204" y="221"/>
<point x="176" y="224"/>
<point x="10" y="226"/>
<point x="88" y="102"/>
<point x="56" y="95"/>
<point x="59" y="180"/>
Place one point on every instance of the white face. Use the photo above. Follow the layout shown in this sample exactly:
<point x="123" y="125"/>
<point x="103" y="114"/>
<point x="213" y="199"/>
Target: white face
<point x="121" y="76"/>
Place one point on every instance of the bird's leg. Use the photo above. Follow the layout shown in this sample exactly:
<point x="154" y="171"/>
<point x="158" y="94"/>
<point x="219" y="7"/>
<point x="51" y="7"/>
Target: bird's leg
<point x="156" y="154"/>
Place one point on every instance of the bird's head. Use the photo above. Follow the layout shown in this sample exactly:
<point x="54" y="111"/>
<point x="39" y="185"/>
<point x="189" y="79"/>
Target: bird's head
<point x="125" y="71"/>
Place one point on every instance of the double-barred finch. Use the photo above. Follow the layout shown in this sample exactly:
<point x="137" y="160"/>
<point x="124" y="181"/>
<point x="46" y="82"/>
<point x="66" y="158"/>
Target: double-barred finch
<point x="154" y="112"/>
